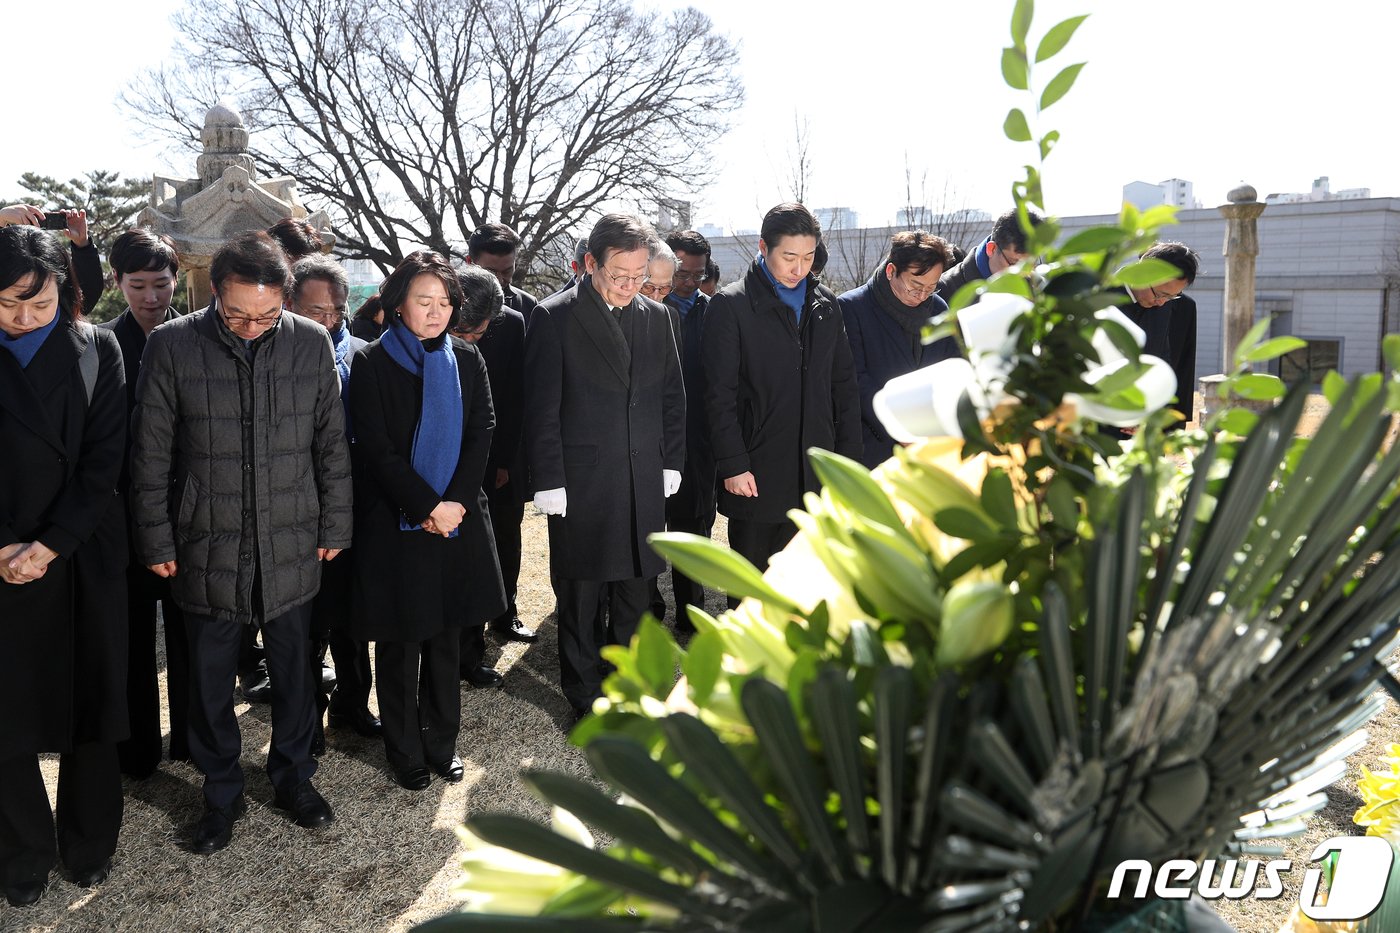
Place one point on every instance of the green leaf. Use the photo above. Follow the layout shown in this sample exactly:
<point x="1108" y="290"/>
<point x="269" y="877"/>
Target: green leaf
<point x="1121" y="338"/>
<point x="935" y="332"/>
<point x="1059" y="85"/>
<point x="1021" y="22"/>
<point x="713" y="565"/>
<point x="1047" y="142"/>
<point x="1058" y="37"/>
<point x="1252" y="339"/>
<point x="656" y="656"/>
<point x="1005" y="284"/>
<point x="1093" y="240"/>
<point x="1260" y="387"/>
<point x="1014" y="69"/>
<point x="974" y="439"/>
<point x="964" y="523"/>
<point x="987" y="554"/>
<point x="833" y="713"/>
<point x="850" y="483"/>
<point x="1390" y="346"/>
<point x="1016" y="128"/>
<point x="1159" y="215"/>
<point x="1392" y="396"/>
<point x="1239" y="421"/>
<point x="999" y="500"/>
<point x="1333" y="385"/>
<point x="894" y="693"/>
<point x="701" y="665"/>
<point x="867" y="650"/>
<point x="1272" y="349"/>
<point x="1146" y="273"/>
<point x="1064" y="506"/>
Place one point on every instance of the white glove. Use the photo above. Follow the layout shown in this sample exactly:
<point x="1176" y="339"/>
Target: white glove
<point x="671" y="481"/>
<point x="552" y="501"/>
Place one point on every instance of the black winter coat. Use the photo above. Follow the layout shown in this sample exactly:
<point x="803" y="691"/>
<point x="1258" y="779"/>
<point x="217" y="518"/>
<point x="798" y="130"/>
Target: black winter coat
<point x="63" y="667"/>
<point x="503" y="349"/>
<point x="410" y="585"/>
<point x="697" y="492"/>
<point x="603" y="429"/>
<point x="880" y="351"/>
<point x="239" y="469"/>
<point x="775" y="390"/>
<point x="1171" y="335"/>
<point x="955" y="278"/>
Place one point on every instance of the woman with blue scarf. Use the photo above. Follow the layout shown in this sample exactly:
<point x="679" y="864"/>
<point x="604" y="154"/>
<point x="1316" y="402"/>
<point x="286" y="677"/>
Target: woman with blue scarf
<point x="425" y="562"/>
<point x="63" y="557"/>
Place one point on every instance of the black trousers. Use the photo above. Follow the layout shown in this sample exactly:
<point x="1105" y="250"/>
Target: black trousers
<point x="507" y="512"/>
<point x="420" y="698"/>
<point x="215" y="742"/>
<point x="686" y="590"/>
<point x="584" y="630"/>
<point x="89" y="813"/>
<point x="758" y="541"/>
<point x="140" y="754"/>
<point x="330" y="627"/>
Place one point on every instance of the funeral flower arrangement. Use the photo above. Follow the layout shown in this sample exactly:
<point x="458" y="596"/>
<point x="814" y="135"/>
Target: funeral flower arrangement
<point x="1014" y="655"/>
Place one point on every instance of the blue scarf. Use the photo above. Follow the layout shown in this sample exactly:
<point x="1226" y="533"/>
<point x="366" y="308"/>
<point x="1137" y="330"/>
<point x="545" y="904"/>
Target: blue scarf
<point x="984" y="262"/>
<point x="683" y="305"/>
<point x="26" y="345"/>
<point x="794" y="297"/>
<point x="437" y="440"/>
<point x="340" y="343"/>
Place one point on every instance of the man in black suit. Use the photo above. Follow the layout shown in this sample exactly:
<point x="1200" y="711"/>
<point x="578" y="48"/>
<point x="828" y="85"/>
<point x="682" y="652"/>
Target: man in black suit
<point x="1169" y="319"/>
<point x="605" y="438"/>
<point x="1004" y="246"/>
<point x="494" y="247"/>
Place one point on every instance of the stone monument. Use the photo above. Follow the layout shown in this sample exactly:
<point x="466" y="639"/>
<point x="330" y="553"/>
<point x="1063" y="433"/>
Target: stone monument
<point x="201" y="214"/>
<point x="1241" y="250"/>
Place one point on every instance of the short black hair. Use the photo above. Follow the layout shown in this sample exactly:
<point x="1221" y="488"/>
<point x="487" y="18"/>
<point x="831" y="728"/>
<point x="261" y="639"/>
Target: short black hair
<point x="482" y="298"/>
<point x="620" y="233"/>
<point x="711" y="272"/>
<point x="1178" y="254"/>
<point x="255" y="258"/>
<point x="296" y="237"/>
<point x="1007" y="232"/>
<point x="369" y="309"/>
<point x="324" y="268"/>
<point x="394" y="291"/>
<point x="918" y="251"/>
<point x="820" y="257"/>
<point x="689" y="241"/>
<point x="141" y="249"/>
<point x="789" y="219"/>
<point x="26" y="250"/>
<point x="496" y="239"/>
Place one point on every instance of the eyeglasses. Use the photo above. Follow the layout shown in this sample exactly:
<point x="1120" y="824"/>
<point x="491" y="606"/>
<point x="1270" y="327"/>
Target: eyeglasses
<point x="683" y="276"/>
<point x="652" y="290"/>
<point x="330" y="318"/>
<point x="240" y="320"/>
<point x="1164" y="297"/>
<point x="622" y="281"/>
<point x="917" y="291"/>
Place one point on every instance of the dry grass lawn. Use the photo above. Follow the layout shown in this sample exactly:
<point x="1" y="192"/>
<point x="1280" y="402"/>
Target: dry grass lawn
<point x="389" y="860"/>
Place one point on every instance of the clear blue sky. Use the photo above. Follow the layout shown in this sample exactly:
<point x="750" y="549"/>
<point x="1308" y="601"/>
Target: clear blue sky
<point x="1208" y="90"/>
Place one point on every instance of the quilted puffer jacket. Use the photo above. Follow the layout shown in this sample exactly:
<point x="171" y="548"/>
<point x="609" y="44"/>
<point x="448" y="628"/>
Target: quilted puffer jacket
<point x="239" y="466"/>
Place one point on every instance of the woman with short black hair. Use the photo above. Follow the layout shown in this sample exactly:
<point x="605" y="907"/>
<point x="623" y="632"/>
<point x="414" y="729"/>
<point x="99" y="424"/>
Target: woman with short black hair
<point x="425" y="562"/>
<point x="63" y="556"/>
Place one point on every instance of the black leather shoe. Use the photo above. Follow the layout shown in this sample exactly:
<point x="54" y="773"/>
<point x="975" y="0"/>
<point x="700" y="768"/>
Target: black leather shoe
<point x="26" y="893"/>
<point x="92" y="877"/>
<point x="307" y="807"/>
<point x="413" y="778"/>
<point x="364" y="722"/>
<point x="214" y="830"/>
<point x="450" y="771"/>
<point x="256" y="688"/>
<point x="482" y="677"/>
<point x="515" y="630"/>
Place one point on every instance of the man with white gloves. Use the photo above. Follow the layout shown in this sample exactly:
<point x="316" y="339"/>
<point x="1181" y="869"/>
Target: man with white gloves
<point x="605" y="439"/>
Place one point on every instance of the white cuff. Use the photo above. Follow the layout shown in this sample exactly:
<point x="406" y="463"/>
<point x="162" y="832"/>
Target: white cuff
<point x="552" y="501"/>
<point x="671" y="481"/>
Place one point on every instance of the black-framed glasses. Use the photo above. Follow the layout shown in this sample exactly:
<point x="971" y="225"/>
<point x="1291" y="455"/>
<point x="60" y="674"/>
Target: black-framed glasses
<point x="622" y="281"/>
<point x="242" y="320"/>
<point x="329" y="318"/>
<point x="683" y="276"/>
<point x="1161" y="297"/>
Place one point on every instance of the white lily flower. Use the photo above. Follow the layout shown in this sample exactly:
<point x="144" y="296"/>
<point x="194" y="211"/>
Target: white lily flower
<point x="924" y="403"/>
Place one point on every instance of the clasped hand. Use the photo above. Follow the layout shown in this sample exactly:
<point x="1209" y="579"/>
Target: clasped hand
<point x="23" y="562"/>
<point x="445" y="518"/>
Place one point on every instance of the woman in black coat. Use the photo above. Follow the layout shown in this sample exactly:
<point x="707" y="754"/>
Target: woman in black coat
<point x="425" y="563"/>
<point x="885" y="319"/>
<point x="63" y="555"/>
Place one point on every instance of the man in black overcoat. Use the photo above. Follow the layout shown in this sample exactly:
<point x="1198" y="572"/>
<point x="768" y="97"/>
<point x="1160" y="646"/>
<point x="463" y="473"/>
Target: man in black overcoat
<point x="1169" y="320"/>
<point x="605" y="439"/>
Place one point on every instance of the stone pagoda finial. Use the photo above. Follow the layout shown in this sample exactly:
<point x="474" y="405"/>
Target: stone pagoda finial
<point x="225" y="141"/>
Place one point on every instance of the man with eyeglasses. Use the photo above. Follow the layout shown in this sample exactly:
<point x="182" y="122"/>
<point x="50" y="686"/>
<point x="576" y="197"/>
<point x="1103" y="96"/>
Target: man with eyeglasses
<point x="605" y="439"/>
<point x="321" y="292"/>
<point x="240" y="478"/>
<point x="885" y="319"/>
<point x="1168" y="317"/>
<point x="1004" y="247"/>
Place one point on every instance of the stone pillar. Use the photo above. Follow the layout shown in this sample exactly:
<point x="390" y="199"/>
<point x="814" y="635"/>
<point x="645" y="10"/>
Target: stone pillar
<point x="1241" y="248"/>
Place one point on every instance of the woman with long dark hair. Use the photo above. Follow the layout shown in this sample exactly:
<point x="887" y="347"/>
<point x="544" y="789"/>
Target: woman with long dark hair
<point x="63" y="556"/>
<point x="425" y="562"/>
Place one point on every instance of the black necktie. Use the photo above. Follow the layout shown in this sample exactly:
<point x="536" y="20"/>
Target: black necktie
<point x="617" y="315"/>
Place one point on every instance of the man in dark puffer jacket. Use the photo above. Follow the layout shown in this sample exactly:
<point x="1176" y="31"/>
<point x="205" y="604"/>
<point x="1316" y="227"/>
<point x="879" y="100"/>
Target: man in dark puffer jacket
<point x="240" y="488"/>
